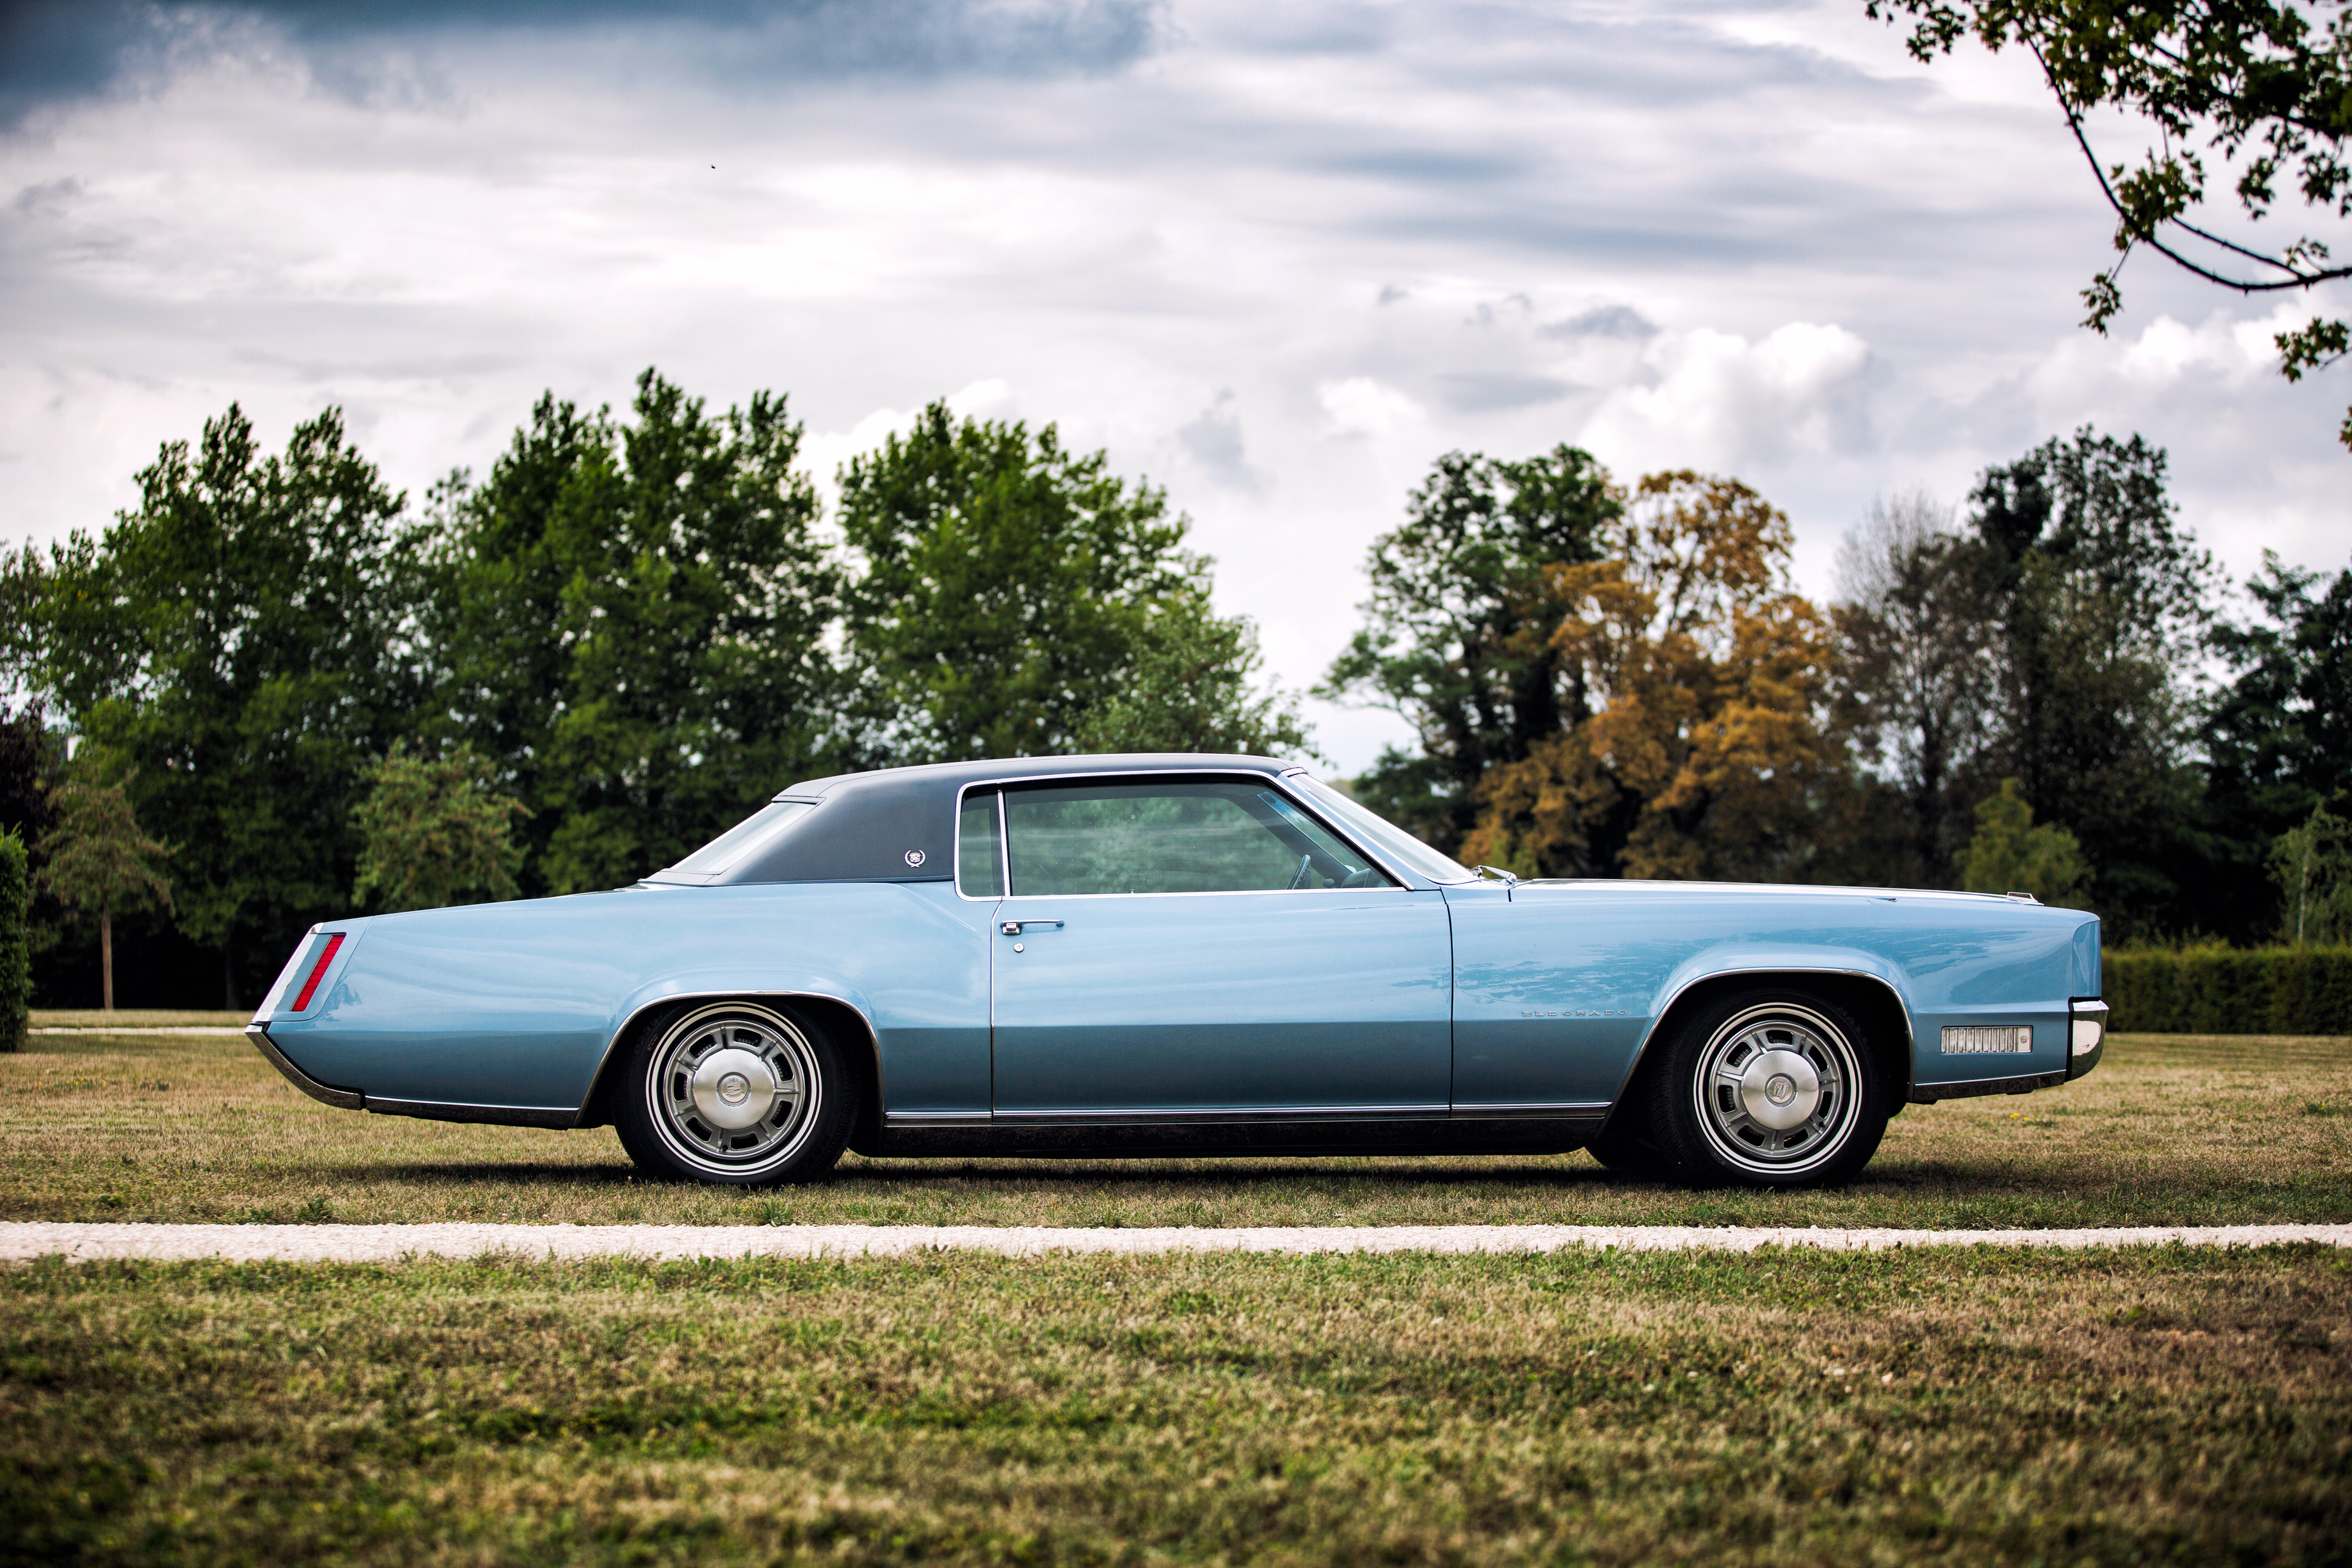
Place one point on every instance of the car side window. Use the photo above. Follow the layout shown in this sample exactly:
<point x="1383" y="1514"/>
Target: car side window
<point x="980" y="867"/>
<point x="1171" y="837"/>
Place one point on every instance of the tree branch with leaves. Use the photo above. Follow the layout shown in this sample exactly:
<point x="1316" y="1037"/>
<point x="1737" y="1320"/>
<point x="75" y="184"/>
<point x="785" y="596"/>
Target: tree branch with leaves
<point x="435" y="831"/>
<point x="2259" y="90"/>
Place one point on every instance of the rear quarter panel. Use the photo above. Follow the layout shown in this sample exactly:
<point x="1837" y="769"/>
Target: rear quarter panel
<point x="515" y="1004"/>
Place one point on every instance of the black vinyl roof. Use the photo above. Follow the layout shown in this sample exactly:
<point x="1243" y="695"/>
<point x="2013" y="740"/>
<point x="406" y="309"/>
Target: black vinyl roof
<point x="897" y="824"/>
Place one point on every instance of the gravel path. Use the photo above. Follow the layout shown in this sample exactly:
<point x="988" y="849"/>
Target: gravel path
<point x="391" y="1243"/>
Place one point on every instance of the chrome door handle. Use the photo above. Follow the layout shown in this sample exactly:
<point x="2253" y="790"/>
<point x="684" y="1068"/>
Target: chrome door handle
<point x="1014" y="928"/>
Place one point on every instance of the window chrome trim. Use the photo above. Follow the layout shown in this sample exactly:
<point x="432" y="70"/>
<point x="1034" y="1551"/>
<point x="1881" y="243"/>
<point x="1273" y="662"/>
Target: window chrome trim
<point x="1399" y="881"/>
<point x="955" y="860"/>
<point x="1003" y="850"/>
<point x="1214" y="893"/>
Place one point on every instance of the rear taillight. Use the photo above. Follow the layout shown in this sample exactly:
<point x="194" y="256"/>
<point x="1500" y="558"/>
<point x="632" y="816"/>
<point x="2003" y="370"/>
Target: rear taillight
<point x="318" y="972"/>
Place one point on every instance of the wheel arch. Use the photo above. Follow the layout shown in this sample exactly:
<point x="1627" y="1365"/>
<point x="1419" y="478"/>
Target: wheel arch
<point x="848" y="1025"/>
<point x="1869" y="996"/>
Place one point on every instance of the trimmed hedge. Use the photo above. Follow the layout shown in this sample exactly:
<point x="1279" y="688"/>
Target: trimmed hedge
<point x="2227" y="990"/>
<point x="15" y="940"/>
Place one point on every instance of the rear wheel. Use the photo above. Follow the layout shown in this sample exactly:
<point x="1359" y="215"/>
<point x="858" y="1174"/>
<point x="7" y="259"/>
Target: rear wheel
<point x="737" y="1093"/>
<point x="1769" y="1089"/>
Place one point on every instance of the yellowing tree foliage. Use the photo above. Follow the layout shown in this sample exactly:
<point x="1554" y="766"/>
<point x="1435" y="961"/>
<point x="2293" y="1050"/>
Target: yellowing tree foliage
<point x="1697" y="747"/>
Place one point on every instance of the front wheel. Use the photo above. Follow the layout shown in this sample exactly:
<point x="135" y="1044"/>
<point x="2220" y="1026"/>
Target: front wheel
<point x="1769" y="1089"/>
<point x="736" y="1093"/>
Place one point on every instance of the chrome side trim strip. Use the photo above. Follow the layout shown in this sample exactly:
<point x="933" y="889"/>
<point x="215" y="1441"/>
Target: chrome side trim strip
<point x="500" y="1115"/>
<point x="1531" y="1111"/>
<point x="897" y="1119"/>
<point x="325" y="1094"/>
<point x="1223" y="1113"/>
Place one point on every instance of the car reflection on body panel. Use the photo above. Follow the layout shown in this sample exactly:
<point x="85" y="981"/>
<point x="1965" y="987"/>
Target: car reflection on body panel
<point x="1148" y="955"/>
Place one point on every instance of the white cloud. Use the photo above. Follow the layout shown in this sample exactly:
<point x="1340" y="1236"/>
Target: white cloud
<point x="1713" y="398"/>
<point x="1360" y="406"/>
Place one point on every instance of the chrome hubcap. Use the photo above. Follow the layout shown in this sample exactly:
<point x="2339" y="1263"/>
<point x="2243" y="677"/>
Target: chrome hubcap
<point x="1779" y="1089"/>
<point x="733" y="1087"/>
<point x="1775" y="1089"/>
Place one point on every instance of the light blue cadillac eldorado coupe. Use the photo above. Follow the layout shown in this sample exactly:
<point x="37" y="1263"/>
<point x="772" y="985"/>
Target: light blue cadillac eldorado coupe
<point x="1163" y="954"/>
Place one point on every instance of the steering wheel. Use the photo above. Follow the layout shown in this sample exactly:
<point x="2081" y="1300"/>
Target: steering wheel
<point x="1306" y="863"/>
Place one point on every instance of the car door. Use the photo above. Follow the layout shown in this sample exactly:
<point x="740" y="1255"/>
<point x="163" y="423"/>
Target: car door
<point x="1202" y="948"/>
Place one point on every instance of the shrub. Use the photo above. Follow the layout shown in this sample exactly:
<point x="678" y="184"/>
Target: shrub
<point x="2224" y="990"/>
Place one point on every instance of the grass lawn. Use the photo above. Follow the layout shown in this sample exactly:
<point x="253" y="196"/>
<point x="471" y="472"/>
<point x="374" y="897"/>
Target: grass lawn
<point x="1975" y="1405"/>
<point x="2171" y="1129"/>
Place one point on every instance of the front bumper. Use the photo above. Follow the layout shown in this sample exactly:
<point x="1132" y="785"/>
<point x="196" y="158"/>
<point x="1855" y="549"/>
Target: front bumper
<point x="2086" y="1035"/>
<point x="2087" y="1042"/>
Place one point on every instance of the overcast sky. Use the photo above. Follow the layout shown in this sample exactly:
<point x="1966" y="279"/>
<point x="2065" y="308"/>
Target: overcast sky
<point x="1277" y="257"/>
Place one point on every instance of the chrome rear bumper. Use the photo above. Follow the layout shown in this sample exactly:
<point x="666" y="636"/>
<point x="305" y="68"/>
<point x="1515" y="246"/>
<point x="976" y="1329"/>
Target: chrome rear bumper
<point x="326" y="1094"/>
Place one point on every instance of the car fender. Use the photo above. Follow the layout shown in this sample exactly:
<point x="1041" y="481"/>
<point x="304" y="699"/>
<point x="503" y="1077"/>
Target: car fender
<point x="1761" y="963"/>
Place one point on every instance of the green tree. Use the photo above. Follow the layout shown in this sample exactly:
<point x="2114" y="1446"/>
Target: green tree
<point x="236" y="641"/>
<point x="631" y="619"/>
<point x="1460" y="623"/>
<point x="100" y="863"/>
<point x="1007" y="585"/>
<point x="1188" y="688"/>
<point x="15" y="940"/>
<point x="435" y="831"/>
<point x="494" y="565"/>
<point x="2313" y="867"/>
<point x="2278" y="740"/>
<point x="31" y="760"/>
<point x="24" y="582"/>
<point x="1918" y="622"/>
<point x="2009" y="854"/>
<point x="2101" y="591"/>
<point x="2248" y="90"/>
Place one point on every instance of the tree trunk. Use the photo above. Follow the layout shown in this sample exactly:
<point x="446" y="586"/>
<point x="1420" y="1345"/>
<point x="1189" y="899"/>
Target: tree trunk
<point x="106" y="960"/>
<point x="229" y="981"/>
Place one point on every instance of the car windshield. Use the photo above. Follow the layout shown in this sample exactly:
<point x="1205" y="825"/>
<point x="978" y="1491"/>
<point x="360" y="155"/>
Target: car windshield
<point x="1400" y="846"/>
<point x="751" y="833"/>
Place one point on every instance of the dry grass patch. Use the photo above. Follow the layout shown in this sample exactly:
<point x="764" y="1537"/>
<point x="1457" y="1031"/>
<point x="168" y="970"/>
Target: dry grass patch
<point x="1972" y="1406"/>
<point x="2171" y="1129"/>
